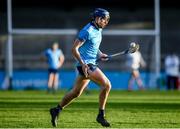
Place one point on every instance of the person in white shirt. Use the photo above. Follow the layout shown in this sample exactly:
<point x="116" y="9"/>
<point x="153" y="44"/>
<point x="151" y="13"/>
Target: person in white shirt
<point x="134" y="61"/>
<point x="172" y="71"/>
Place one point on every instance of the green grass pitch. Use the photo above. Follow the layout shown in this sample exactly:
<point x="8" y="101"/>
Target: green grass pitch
<point x="137" y="109"/>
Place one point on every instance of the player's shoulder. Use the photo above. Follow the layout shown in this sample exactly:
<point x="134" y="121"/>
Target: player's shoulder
<point x="58" y="51"/>
<point x="89" y="28"/>
<point x="48" y="50"/>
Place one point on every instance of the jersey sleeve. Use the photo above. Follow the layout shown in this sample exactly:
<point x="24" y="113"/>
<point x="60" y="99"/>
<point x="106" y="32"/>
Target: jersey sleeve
<point x="83" y="35"/>
<point x="60" y="52"/>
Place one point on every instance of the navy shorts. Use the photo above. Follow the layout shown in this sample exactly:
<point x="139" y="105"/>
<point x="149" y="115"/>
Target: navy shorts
<point x="54" y="71"/>
<point x="91" y="67"/>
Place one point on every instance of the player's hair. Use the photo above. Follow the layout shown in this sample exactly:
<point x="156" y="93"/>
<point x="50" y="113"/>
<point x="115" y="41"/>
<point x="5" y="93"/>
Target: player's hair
<point x="100" y="12"/>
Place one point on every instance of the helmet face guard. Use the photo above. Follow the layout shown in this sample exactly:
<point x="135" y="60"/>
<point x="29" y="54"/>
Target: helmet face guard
<point x="100" y="12"/>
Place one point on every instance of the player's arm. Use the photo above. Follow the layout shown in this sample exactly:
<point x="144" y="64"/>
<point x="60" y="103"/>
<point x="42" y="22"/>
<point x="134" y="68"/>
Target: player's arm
<point x="80" y="40"/>
<point x="77" y="44"/>
<point x="61" y="59"/>
<point x="142" y="61"/>
<point x="102" y="56"/>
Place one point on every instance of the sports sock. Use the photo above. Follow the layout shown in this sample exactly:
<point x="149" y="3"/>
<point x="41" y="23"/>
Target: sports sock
<point x="59" y="108"/>
<point x="101" y="112"/>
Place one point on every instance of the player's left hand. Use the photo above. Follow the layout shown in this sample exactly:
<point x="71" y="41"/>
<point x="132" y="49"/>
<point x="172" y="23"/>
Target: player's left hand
<point x="104" y="57"/>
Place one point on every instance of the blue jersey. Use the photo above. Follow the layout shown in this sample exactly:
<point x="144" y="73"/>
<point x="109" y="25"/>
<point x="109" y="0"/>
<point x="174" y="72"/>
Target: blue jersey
<point x="53" y="58"/>
<point x="92" y="37"/>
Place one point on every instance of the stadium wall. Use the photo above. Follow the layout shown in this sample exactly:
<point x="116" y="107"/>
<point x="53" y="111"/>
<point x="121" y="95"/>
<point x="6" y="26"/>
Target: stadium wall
<point x="37" y="80"/>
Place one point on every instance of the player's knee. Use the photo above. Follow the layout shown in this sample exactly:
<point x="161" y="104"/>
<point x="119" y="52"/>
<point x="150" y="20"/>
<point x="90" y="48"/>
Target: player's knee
<point x="107" y="85"/>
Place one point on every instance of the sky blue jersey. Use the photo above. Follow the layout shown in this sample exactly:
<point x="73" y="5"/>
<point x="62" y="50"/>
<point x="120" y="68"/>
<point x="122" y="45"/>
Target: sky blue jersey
<point x="92" y="37"/>
<point x="53" y="58"/>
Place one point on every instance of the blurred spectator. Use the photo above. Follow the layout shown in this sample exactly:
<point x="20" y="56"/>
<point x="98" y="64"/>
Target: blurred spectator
<point x="172" y="71"/>
<point x="55" y="59"/>
<point x="134" y="61"/>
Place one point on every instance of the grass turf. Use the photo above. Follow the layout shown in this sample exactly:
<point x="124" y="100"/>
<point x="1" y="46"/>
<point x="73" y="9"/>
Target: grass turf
<point x="137" y="109"/>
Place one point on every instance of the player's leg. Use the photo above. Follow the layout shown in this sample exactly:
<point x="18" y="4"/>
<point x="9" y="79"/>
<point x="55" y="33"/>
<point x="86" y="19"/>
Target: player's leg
<point x="55" y="82"/>
<point x="99" y="77"/>
<point x="138" y="79"/>
<point x="80" y="84"/>
<point x="169" y="82"/>
<point x="50" y="82"/>
<point x="176" y="83"/>
<point x="130" y="81"/>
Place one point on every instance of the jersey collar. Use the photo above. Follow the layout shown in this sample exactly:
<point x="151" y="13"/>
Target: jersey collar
<point x="93" y="24"/>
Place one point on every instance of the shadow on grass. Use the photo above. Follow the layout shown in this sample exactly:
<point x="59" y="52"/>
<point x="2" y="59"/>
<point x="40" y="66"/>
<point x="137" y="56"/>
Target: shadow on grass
<point x="90" y="105"/>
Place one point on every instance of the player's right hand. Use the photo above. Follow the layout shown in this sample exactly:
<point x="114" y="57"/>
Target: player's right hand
<point x="85" y="68"/>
